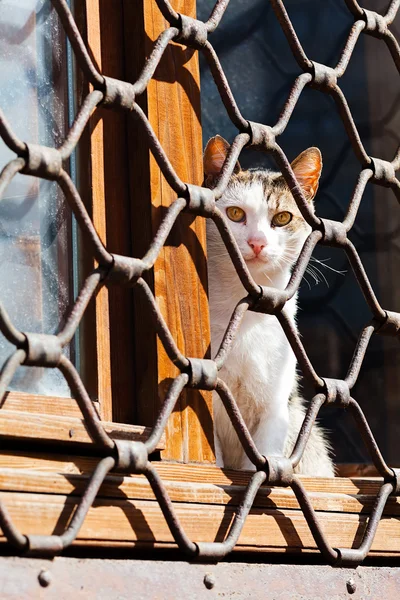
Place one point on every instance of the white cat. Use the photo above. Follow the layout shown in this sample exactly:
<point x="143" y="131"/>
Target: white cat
<point x="261" y="367"/>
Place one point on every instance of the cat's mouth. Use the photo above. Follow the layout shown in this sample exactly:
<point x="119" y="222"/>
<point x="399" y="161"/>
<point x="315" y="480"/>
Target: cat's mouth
<point x="262" y="263"/>
<point x="257" y="260"/>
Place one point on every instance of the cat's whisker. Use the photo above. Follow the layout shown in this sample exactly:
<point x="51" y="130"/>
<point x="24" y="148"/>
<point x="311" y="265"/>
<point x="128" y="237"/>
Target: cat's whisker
<point x="315" y="275"/>
<point x="319" y="272"/>
<point x="323" y="264"/>
<point x="290" y="258"/>
<point x="307" y="282"/>
<point x="267" y="276"/>
<point x="312" y="273"/>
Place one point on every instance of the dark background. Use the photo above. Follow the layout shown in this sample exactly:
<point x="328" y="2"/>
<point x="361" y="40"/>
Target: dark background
<point x="260" y="68"/>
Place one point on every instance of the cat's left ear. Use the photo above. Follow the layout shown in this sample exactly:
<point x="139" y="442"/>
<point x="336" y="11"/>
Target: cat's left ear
<point x="214" y="157"/>
<point x="307" y="168"/>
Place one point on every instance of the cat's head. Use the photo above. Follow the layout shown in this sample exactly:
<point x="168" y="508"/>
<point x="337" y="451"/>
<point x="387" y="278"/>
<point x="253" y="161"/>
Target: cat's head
<point x="261" y="211"/>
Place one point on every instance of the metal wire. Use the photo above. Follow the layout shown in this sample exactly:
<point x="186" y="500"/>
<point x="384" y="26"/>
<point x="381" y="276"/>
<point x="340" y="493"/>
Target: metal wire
<point x="46" y="350"/>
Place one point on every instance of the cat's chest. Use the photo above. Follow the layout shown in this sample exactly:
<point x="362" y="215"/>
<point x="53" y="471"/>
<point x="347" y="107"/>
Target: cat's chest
<point x="260" y="340"/>
<point x="260" y="367"/>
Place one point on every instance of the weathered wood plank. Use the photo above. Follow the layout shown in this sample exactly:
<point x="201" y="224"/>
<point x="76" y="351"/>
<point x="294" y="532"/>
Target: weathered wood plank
<point x="44" y="405"/>
<point x="14" y="424"/>
<point x="356" y="470"/>
<point x="172" y="102"/>
<point x="32" y="474"/>
<point x="203" y="474"/>
<point x="127" y="522"/>
<point x="116" y="205"/>
<point x="100" y="353"/>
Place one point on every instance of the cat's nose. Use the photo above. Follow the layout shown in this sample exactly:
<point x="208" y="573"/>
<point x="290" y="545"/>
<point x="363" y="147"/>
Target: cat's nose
<point x="256" y="245"/>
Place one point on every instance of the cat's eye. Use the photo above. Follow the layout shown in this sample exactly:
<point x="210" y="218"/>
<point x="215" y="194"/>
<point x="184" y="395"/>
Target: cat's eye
<point x="281" y="219"/>
<point x="236" y="214"/>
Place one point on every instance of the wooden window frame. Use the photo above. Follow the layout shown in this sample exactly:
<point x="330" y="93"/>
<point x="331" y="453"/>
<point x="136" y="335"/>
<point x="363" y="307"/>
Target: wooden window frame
<point x="41" y="490"/>
<point x="58" y="419"/>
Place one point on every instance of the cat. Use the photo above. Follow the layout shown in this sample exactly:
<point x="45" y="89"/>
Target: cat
<point x="261" y="367"/>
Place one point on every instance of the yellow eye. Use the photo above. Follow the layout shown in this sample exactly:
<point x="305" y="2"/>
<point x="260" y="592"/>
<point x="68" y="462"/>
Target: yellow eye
<point x="236" y="214"/>
<point x="281" y="219"/>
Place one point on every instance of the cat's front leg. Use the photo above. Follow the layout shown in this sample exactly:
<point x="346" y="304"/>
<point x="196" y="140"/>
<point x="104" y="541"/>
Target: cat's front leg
<point x="269" y="435"/>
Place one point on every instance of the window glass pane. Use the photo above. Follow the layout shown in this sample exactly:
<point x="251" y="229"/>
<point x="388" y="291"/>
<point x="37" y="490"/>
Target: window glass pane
<point x="35" y="221"/>
<point x="261" y="69"/>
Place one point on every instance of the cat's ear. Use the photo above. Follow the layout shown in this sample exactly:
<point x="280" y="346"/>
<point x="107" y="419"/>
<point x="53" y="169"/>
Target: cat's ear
<point x="307" y="168"/>
<point x="214" y="158"/>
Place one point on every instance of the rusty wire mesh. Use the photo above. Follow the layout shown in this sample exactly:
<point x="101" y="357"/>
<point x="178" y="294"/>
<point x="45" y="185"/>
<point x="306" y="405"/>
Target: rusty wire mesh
<point x="46" y="350"/>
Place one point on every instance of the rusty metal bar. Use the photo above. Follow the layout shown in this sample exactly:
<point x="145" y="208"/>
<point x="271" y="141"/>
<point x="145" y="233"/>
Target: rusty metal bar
<point x="358" y="355"/>
<point x="8" y="369"/>
<point x="298" y="348"/>
<point x="34" y="349"/>
<point x="92" y="419"/>
<point x="351" y="556"/>
<point x="224" y="90"/>
<point x="347" y="51"/>
<point x="184" y="543"/>
<point x="369" y="440"/>
<point x="103" y="257"/>
<point x="78" y="45"/>
<point x="163" y="231"/>
<point x="304" y="433"/>
<point x="10" y="170"/>
<point x="329" y="553"/>
<point x="14" y="537"/>
<point x="221" y="549"/>
<point x="151" y="65"/>
<point x="295" y="93"/>
<point x="88" y="291"/>
<point x="230" y="334"/>
<point x="216" y="15"/>
<point x="168" y="406"/>
<point x="302" y="60"/>
<point x="239" y="425"/>
<point x="9" y="137"/>
<point x="161" y="327"/>
<point x="79" y="124"/>
<point x="104" y="466"/>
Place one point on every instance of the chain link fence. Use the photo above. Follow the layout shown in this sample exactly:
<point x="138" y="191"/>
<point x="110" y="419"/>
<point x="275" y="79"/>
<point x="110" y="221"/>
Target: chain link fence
<point x="43" y="350"/>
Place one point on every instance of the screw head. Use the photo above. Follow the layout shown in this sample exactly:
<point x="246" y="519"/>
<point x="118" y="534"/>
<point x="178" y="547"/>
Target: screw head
<point x="209" y="581"/>
<point x="351" y="586"/>
<point x="44" y="578"/>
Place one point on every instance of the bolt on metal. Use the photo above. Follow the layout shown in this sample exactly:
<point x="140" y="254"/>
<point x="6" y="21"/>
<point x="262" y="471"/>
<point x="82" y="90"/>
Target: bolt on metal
<point x="45" y="578"/>
<point x="209" y="581"/>
<point x="351" y="586"/>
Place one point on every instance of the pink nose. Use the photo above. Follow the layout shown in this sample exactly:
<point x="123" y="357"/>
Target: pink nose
<point x="256" y="245"/>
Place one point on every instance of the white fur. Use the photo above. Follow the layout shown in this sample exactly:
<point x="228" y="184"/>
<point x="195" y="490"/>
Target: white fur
<point x="261" y="367"/>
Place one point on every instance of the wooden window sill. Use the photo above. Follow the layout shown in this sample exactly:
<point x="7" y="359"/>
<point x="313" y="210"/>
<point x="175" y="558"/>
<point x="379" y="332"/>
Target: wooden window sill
<point x="41" y="493"/>
<point x="71" y="430"/>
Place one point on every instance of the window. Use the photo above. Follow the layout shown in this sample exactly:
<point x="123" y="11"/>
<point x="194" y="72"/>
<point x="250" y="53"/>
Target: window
<point x="43" y="261"/>
<point x="260" y="68"/>
<point x="131" y="375"/>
